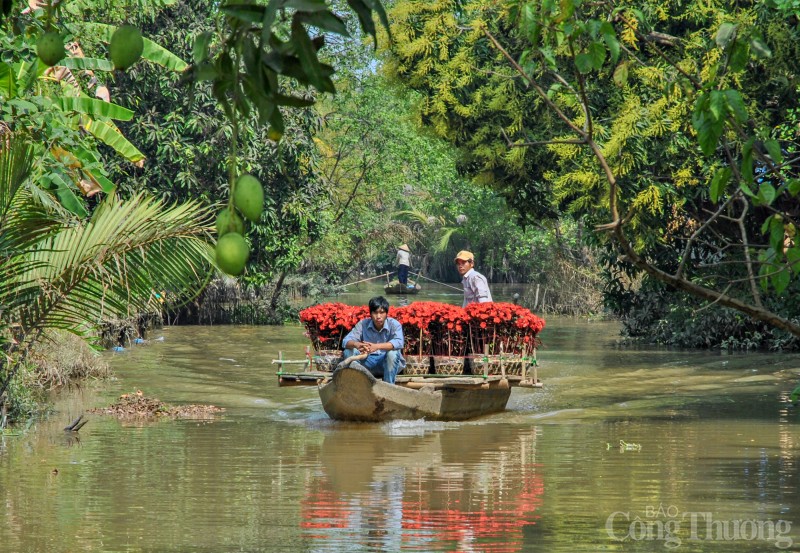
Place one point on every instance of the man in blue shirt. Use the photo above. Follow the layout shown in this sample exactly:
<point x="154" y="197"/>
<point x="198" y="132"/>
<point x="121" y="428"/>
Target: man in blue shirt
<point x="381" y="337"/>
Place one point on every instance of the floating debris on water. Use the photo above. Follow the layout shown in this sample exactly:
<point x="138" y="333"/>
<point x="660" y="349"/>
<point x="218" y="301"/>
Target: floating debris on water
<point x="626" y="446"/>
<point x="137" y="405"/>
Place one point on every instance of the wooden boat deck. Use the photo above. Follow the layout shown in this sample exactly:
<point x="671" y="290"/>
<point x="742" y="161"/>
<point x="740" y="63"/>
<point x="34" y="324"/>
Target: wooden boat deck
<point x="435" y="381"/>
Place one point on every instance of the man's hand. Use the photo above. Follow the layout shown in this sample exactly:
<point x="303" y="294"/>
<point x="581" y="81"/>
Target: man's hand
<point x="366" y="347"/>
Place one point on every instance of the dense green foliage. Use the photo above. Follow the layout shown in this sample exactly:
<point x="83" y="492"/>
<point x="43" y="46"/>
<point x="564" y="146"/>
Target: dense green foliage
<point x="63" y="268"/>
<point x="185" y="136"/>
<point x="658" y="123"/>
<point x="390" y="184"/>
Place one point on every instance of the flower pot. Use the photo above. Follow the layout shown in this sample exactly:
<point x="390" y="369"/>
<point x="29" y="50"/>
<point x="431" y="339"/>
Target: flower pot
<point x="448" y="365"/>
<point x="325" y="360"/>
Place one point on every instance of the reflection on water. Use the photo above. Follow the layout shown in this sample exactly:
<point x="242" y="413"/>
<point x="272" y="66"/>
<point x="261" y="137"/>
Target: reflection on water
<point x="427" y="493"/>
<point x="716" y="440"/>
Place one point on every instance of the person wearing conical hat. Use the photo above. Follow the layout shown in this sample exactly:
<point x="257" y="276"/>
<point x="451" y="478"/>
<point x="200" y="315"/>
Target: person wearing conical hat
<point x="403" y="263"/>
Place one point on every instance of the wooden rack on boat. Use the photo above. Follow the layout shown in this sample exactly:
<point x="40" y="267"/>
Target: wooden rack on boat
<point x="306" y="376"/>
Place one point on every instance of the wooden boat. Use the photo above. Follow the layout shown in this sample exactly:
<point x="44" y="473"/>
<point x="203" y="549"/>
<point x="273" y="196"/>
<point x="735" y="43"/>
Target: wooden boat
<point x="352" y="393"/>
<point x="394" y="287"/>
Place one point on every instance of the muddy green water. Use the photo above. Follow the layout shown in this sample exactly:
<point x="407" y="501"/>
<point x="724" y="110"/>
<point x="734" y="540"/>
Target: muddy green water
<point x="711" y="461"/>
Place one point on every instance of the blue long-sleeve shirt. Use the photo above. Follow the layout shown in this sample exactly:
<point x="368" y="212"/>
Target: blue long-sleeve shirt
<point x="392" y="332"/>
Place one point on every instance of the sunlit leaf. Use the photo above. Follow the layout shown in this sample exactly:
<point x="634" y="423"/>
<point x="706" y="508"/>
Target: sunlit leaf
<point x="94" y="107"/>
<point x="719" y="182"/>
<point x="725" y="34"/>
<point x="110" y="135"/>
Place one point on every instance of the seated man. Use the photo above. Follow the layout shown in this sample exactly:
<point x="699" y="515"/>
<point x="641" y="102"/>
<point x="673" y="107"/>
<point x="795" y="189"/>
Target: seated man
<point x="381" y="337"/>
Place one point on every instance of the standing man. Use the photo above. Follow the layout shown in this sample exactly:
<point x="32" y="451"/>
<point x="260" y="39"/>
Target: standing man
<point x="403" y="263"/>
<point x="476" y="288"/>
<point x="382" y="338"/>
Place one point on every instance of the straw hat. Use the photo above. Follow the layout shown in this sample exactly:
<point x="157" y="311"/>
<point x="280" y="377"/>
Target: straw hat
<point x="404" y="247"/>
<point x="464" y="255"/>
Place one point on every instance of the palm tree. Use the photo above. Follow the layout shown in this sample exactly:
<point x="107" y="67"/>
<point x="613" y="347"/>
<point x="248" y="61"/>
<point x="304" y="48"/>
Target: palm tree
<point x="70" y="274"/>
<point x="434" y="236"/>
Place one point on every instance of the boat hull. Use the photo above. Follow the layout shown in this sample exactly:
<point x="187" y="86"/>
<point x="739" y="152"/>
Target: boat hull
<point x="354" y="394"/>
<point x="395" y="287"/>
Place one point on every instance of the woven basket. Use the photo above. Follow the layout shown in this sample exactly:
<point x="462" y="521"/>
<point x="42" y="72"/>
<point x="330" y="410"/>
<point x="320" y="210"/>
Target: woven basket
<point x="514" y="365"/>
<point x="417" y="366"/>
<point x="511" y="363"/>
<point x="448" y="365"/>
<point x="325" y="360"/>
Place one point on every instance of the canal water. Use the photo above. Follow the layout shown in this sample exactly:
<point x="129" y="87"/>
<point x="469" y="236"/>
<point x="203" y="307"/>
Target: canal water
<point x="624" y="449"/>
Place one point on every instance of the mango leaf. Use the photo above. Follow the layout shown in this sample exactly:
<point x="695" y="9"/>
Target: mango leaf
<point x="276" y="121"/>
<point x="94" y="107"/>
<point x="725" y="34"/>
<point x="774" y="151"/>
<point x="110" y="135"/>
<point x="246" y="12"/>
<point x="205" y="72"/>
<point x="267" y="20"/>
<point x="364" y="13"/>
<point x="325" y="21"/>
<point x="306" y="5"/>
<point x="719" y="182"/>
<point x="378" y="8"/>
<point x="308" y="58"/>
<point x="292" y="101"/>
<point x="87" y="63"/>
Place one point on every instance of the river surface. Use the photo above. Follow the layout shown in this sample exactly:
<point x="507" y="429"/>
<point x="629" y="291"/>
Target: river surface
<point x="624" y="449"/>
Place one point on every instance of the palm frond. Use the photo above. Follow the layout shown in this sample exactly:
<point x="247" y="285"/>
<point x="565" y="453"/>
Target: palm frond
<point x="110" y="266"/>
<point x="444" y="239"/>
<point x="413" y="215"/>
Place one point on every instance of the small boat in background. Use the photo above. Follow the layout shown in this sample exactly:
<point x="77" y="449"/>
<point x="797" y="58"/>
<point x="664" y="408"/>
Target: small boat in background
<point x="394" y="287"/>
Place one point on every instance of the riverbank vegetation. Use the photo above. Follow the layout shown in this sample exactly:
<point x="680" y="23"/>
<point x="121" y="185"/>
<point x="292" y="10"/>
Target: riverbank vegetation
<point x="634" y="159"/>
